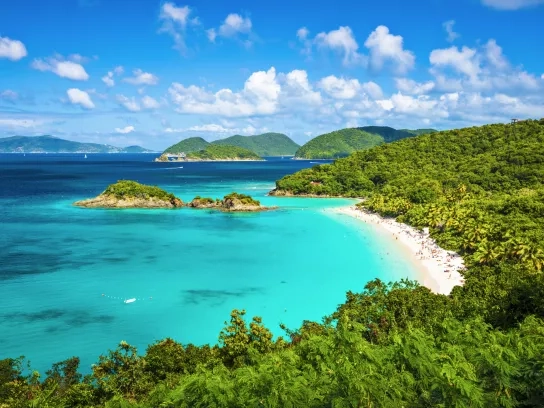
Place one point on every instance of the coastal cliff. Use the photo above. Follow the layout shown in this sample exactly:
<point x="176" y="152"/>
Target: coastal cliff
<point x="130" y="194"/>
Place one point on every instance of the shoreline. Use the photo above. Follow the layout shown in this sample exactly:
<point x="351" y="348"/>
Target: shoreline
<point x="439" y="269"/>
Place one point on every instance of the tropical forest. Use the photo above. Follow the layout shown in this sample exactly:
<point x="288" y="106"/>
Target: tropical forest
<point x="479" y="192"/>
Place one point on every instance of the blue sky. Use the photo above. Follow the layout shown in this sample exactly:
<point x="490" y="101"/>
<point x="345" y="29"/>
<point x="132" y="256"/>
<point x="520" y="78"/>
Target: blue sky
<point x="154" y="72"/>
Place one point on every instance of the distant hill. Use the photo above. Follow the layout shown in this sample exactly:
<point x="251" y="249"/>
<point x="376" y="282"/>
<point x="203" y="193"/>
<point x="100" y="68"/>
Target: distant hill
<point x="51" y="144"/>
<point x="192" y="144"/>
<point x="342" y="143"/>
<point x="339" y="143"/>
<point x="267" y="144"/>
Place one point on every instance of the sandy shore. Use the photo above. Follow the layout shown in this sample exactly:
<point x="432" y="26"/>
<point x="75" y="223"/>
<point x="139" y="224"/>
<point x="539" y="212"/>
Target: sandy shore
<point x="439" y="268"/>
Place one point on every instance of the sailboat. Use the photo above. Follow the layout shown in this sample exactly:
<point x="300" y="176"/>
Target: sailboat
<point x="85" y="156"/>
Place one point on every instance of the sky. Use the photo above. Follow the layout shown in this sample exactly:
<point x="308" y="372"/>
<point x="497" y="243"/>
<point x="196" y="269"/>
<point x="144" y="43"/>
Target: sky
<point x="152" y="72"/>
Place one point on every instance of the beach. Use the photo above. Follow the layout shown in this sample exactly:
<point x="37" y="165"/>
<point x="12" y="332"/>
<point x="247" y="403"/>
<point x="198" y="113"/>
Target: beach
<point x="439" y="269"/>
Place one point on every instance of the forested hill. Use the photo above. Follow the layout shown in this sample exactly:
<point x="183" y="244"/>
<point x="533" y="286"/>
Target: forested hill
<point x="267" y="144"/>
<point x="342" y="143"/>
<point x="480" y="192"/>
<point x="51" y="144"/>
<point x="189" y="145"/>
<point x="339" y="143"/>
<point x="222" y="152"/>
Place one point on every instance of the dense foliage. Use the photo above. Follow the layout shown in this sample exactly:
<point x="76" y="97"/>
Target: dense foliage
<point x="51" y="144"/>
<point x="192" y="144"/>
<point x="244" y="199"/>
<point x="132" y="189"/>
<point x="390" y="134"/>
<point x="267" y="144"/>
<point x="223" y="152"/>
<point x="339" y="143"/>
<point x="479" y="190"/>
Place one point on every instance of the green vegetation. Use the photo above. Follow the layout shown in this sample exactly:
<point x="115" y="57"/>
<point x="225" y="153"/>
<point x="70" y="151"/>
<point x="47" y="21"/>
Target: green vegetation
<point x="480" y="192"/>
<point x="339" y="143"/>
<point x="217" y="152"/>
<point x="131" y="189"/>
<point x="51" y="144"/>
<point x="342" y="143"/>
<point x="192" y="144"/>
<point x="242" y="198"/>
<point x="267" y="144"/>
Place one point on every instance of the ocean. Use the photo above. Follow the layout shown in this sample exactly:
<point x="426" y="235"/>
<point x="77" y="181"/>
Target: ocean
<point x="65" y="271"/>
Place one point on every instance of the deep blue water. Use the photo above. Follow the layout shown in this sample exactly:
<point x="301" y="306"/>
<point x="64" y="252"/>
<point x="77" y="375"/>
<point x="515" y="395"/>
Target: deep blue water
<point x="64" y="271"/>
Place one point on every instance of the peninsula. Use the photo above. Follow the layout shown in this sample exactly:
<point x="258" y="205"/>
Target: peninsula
<point x="233" y="202"/>
<point x="211" y="153"/>
<point x="130" y="194"/>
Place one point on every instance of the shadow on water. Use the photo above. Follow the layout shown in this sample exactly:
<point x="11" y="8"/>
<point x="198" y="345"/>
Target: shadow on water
<point x="217" y="297"/>
<point x="64" y="319"/>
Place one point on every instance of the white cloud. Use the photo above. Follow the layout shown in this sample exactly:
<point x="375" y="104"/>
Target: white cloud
<point x="125" y="130"/>
<point x="175" y="21"/>
<point x="142" y="78"/>
<point x="61" y="67"/>
<point x="340" y="88"/>
<point x="218" y="129"/>
<point x="386" y="47"/>
<point x="129" y="104"/>
<point x="412" y="87"/>
<point x="448" y="26"/>
<point x="511" y="4"/>
<point x="9" y="95"/>
<point x="302" y="33"/>
<point x="108" y="78"/>
<point x="259" y="97"/>
<point x="463" y="61"/>
<point x="149" y="103"/>
<point x="343" y="41"/>
<point x="233" y="25"/>
<point x="79" y="97"/>
<point x="13" y="50"/>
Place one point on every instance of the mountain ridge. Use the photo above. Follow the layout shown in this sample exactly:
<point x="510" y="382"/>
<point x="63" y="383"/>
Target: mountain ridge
<point x="53" y="144"/>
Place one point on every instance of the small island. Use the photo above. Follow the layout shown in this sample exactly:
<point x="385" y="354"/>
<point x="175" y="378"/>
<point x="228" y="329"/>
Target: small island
<point x="130" y="194"/>
<point x="233" y="202"/>
<point x="211" y="152"/>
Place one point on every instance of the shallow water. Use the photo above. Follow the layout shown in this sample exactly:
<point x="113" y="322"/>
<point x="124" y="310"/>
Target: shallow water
<point x="65" y="271"/>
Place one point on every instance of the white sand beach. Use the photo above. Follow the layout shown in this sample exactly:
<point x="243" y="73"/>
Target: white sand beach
<point x="439" y="268"/>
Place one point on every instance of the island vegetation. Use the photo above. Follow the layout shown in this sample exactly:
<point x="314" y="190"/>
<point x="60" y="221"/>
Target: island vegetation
<point x="479" y="191"/>
<point x="192" y="144"/>
<point x="51" y="144"/>
<point x="233" y="202"/>
<point x="342" y="143"/>
<point x="213" y="153"/>
<point x="267" y="144"/>
<point x="130" y="194"/>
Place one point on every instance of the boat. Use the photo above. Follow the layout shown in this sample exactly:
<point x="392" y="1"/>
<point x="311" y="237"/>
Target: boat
<point x="130" y="300"/>
<point x="85" y="156"/>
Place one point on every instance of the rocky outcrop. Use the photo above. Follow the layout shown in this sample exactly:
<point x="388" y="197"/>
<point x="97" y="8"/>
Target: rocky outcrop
<point x="233" y="202"/>
<point x="111" y="201"/>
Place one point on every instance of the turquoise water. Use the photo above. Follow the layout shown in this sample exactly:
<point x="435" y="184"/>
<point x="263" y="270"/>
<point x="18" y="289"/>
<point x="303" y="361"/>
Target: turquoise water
<point x="65" y="271"/>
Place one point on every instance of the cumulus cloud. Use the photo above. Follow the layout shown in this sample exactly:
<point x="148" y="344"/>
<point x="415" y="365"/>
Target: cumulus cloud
<point x="129" y="104"/>
<point x="342" y="41"/>
<point x="175" y="21"/>
<point x="108" y="79"/>
<point x="383" y="47"/>
<point x="511" y="4"/>
<point x="448" y="26"/>
<point x="9" y="95"/>
<point x="233" y="26"/>
<point x="412" y="87"/>
<point x="125" y="130"/>
<point x="13" y="50"/>
<point x="150" y="103"/>
<point x="142" y="78"/>
<point x="79" y="97"/>
<point x="64" y="68"/>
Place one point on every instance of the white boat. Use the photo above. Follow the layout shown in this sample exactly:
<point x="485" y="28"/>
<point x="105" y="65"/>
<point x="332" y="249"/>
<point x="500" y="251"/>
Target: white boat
<point x="130" y="300"/>
<point x="85" y="156"/>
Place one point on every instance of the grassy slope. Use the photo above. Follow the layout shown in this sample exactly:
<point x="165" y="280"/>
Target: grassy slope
<point x="189" y="145"/>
